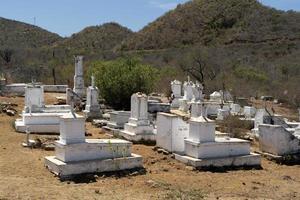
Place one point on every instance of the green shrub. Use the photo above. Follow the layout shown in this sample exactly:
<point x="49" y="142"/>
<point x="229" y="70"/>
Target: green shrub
<point x="119" y="79"/>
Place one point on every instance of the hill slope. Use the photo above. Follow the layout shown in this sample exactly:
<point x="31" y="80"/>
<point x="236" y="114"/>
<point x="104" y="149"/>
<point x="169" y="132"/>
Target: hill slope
<point x="216" y="22"/>
<point x="18" y="35"/>
<point x="96" y="38"/>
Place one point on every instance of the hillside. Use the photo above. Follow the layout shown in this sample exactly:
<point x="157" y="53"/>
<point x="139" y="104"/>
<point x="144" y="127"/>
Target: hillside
<point x="18" y="35"/>
<point x="96" y="38"/>
<point x="216" y="22"/>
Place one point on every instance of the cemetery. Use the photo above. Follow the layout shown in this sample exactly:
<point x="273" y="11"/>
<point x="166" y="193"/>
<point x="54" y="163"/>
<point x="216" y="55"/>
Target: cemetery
<point x="183" y="136"/>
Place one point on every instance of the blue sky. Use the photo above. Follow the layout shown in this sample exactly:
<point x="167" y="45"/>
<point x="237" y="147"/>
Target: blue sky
<point x="70" y="16"/>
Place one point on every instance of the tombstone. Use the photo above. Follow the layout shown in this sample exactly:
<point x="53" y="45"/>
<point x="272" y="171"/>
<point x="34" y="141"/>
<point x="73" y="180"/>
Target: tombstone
<point x="92" y="108"/>
<point x="222" y="114"/>
<point x="278" y="142"/>
<point x="176" y="92"/>
<point x="138" y="127"/>
<point x="235" y="109"/>
<point x="187" y="97"/>
<point x="76" y="155"/>
<point x="34" y="98"/>
<point x="249" y="112"/>
<point x="197" y="109"/>
<point x="197" y="92"/>
<point x="203" y="149"/>
<point x="171" y="132"/>
<point x="215" y="97"/>
<point x="79" y="88"/>
<point x="118" y="119"/>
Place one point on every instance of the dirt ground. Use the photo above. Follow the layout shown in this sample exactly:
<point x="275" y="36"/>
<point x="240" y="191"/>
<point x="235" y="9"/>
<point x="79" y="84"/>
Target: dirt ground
<point x="23" y="175"/>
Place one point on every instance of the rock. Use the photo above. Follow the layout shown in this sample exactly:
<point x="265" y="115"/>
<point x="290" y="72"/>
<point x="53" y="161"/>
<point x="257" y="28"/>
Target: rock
<point x="190" y="168"/>
<point x="99" y="123"/>
<point x="134" y="173"/>
<point x="49" y="147"/>
<point x="155" y="148"/>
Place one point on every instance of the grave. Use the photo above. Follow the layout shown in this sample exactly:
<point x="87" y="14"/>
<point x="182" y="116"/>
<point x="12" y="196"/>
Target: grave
<point x="74" y="154"/>
<point x="184" y="102"/>
<point x="38" y="117"/>
<point x="249" y="112"/>
<point x="92" y="108"/>
<point x="138" y="127"/>
<point x="222" y="114"/>
<point x="203" y="149"/>
<point x="278" y="142"/>
<point x="118" y="119"/>
<point x="79" y="88"/>
<point x="176" y="87"/>
<point x="171" y="132"/>
<point x="235" y="109"/>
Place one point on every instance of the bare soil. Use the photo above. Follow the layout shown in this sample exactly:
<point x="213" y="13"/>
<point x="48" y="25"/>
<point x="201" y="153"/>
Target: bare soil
<point x="23" y="175"/>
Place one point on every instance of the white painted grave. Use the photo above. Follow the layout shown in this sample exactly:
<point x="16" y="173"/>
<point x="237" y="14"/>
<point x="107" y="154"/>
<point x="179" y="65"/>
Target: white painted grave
<point x="176" y="87"/>
<point x="38" y="117"/>
<point x="118" y="119"/>
<point x="76" y="155"/>
<point x="79" y="88"/>
<point x="187" y="97"/>
<point x="138" y="127"/>
<point x="203" y="149"/>
<point x="171" y="132"/>
<point x="92" y="108"/>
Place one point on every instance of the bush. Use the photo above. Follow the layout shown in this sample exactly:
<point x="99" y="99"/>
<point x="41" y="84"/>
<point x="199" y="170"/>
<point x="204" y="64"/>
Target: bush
<point x="119" y="79"/>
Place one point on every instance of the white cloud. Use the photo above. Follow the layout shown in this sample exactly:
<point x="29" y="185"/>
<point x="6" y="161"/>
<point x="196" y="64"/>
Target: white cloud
<point x="164" y="6"/>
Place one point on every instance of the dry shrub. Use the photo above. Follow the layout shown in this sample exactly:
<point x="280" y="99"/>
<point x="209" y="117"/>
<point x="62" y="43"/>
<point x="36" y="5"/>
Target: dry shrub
<point x="234" y="126"/>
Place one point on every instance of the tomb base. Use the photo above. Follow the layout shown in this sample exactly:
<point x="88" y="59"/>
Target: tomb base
<point x="136" y="133"/>
<point x="68" y="169"/>
<point x="222" y="147"/>
<point x="251" y="160"/>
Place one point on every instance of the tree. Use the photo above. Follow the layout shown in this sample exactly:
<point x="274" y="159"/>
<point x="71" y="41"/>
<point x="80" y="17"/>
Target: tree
<point x="6" y="55"/>
<point x="119" y="79"/>
<point x="198" y="66"/>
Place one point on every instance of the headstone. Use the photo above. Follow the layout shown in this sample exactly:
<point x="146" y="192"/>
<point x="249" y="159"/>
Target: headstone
<point x="235" y="109"/>
<point x="138" y="127"/>
<point x="187" y="97"/>
<point x="34" y="98"/>
<point x="249" y="112"/>
<point x="79" y="88"/>
<point x="216" y="97"/>
<point x="92" y="108"/>
<point x="197" y="92"/>
<point x="176" y="87"/>
<point x="222" y="114"/>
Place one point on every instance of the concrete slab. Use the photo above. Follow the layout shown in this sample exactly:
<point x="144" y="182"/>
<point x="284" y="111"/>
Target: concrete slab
<point x="67" y="170"/>
<point x="234" y="161"/>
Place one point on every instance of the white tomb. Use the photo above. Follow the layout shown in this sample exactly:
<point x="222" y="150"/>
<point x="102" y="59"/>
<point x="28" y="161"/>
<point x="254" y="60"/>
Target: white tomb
<point x="184" y="103"/>
<point x="176" y="87"/>
<point x="198" y="92"/>
<point x="171" y="132"/>
<point x="222" y="114"/>
<point x="92" y="108"/>
<point x="118" y="119"/>
<point x="38" y="117"/>
<point x="277" y="141"/>
<point x="76" y="155"/>
<point x="215" y="97"/>
<point x="235" y="109"/>
<point x="249" y="112"/>
<point x="203" y="149"/>
<point x="138" y="127"/>
<point x="79" y="88"/>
